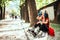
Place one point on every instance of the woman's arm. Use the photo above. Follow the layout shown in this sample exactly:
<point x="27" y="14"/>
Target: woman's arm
<point x="45" y="22"/>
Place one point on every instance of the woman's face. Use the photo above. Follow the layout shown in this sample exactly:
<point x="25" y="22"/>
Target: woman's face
<point x="38" y="17"/>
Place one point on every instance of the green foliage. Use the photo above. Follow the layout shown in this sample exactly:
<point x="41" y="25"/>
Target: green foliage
<point x="21" y="2"/>
<point x="56" y="26"/>
<point x="2" y="2"/>
<point x="13" y="11"/>
<point x="39" y="0"/>
<point x="41" y="3"/>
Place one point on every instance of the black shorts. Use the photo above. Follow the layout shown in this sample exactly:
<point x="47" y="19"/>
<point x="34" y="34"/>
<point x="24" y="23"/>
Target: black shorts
<point x="42" y="27"/>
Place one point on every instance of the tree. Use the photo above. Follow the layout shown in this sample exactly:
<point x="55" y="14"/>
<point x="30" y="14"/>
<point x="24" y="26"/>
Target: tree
<point x="22" y="9"/>
<point x="32" y="12"/>
<point x="2" y="8"/>
<point x="26" y="12"/>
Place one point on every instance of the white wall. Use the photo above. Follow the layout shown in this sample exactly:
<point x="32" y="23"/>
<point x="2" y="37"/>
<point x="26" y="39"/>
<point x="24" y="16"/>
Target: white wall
<point x="50" y="11"/>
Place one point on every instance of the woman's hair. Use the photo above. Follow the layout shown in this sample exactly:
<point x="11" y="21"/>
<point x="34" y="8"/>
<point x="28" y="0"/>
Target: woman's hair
<point x="40" y="13"/>
<point x="46" y="14"/>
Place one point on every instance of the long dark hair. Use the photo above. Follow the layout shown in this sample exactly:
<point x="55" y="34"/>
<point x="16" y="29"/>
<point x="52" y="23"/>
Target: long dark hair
<point x="46" y="14"/>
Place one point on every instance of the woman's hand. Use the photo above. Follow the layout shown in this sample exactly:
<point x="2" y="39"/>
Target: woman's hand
<point x="38" y="22"/>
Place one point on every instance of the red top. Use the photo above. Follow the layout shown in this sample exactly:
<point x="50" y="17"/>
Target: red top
<point x="44" y="19"/>
<point x="47" y="22"/>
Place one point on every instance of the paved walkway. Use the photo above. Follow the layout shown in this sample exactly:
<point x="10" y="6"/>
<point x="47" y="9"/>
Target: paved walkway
<point x="14" y="29"/>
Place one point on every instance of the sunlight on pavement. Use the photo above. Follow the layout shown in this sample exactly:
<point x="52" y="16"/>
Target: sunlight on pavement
<point x="15" y="29"/>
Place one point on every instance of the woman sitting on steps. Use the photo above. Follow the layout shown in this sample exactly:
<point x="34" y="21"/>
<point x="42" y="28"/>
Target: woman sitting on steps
<point x="41" y="24"/>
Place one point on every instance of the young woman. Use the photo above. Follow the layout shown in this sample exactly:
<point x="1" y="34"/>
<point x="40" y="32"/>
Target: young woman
<point x="42" y="24"/>
<point x="44" y="27"/>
